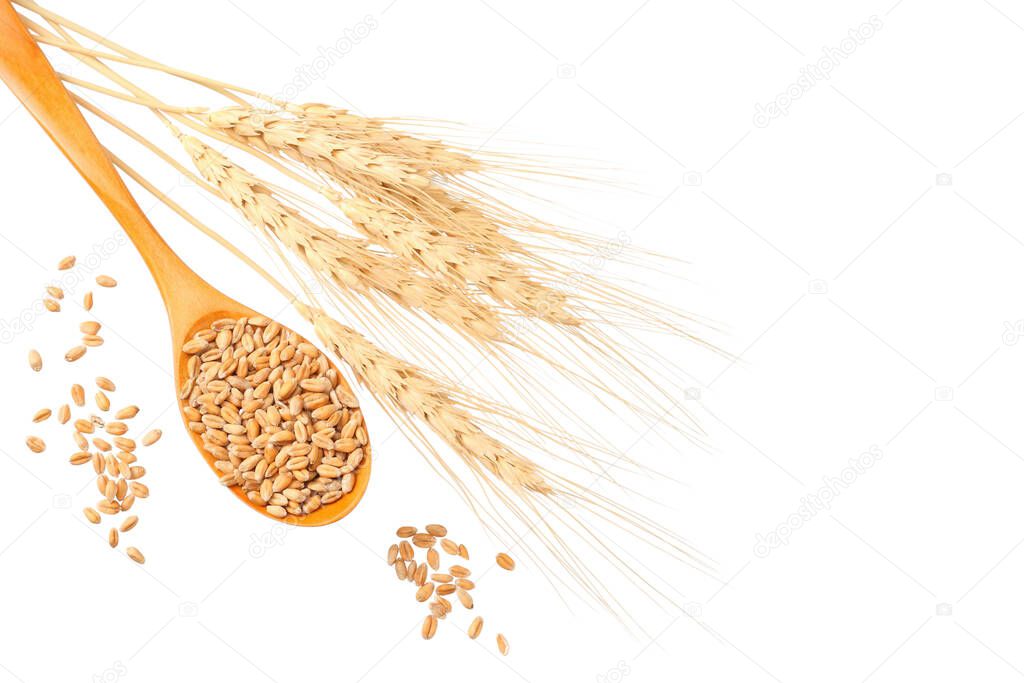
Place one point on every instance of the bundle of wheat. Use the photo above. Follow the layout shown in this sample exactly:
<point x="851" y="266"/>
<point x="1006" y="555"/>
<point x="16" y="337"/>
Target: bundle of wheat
<point x="396" y="227"/>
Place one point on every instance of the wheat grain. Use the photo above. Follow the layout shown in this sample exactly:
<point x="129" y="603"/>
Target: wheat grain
<point x="66" y="263"/>
<point x="436" y="530"/>
<point x="127" y="413"/>
<point x="35" y="444"/>
<point x="424" y="592"/>
<point x="35" y="361"/>
<point x="429" y="627"/>
<point x="258" y="395"/>
<point x="475" y="627"/>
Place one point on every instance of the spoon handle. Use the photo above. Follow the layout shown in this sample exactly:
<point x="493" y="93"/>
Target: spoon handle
<point x="29" y="75"/>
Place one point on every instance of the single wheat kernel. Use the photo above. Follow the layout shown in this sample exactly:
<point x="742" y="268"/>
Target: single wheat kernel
<point x="465" y="584"/>
<point x="51" y="305"/>
<point x="136" y="555"/>
<point x="89" y="327"/>
<point x="108" y="507"/>
<point x="424" y="592"/>
<point x="429" y="627"/>
<point x="91" y="515"/>
<point x="411" y="570"/>
<point x="55" y="292"/>
<point x="406" y="551"/>
<point x="78" y="394"/>
<point x="405" y="531"/>
<point x="104" y="383"/>
<point x="85" y="426"/>
<point x="66" y="263"/>
<point x="505" y="562"/>
<point x="433" y="559"/>
<point x="81" y="441"/>
<point x="129" y="524"/>
<point x="502" y="644"/>
<point x="106" y="281"/>
<point x="127" y="413"/>
<point x="116" y="428"/>
<point x="151" y="437"/>
<point x="102" y="444"/>
<point x="436" y="530"/>
<point x="441" y="578"/>
<point x="475" y="627"/>
<point x="80" y="458"/>
<point x="35" y="444"/>
<point x="401" y="571"/>
<point x="423" y="540"/>
<point x="458" y="571"/>
<point x="449" y="546"/>
<point x="74" y="353"/>
<point x="92" y="340"/>
<point x="445" y="589"/>
<point x="463" y="552"/>
<point x="465" y="598"/>
<point x="112" y="537"/>
<point x="35" y="361"/>
<point x="102" y="402"/>
<point x="124" y="443"/>
<point x="87" y="301"/>
<point x="42" y="414"/>
<point x="392" y="552"/>
<point x="421" y="575"/>
<point x="64" y="414"/>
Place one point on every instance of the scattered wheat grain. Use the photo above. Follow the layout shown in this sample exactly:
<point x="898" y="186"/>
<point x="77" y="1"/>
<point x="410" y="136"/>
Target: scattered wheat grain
<point x="475" y="627"/>
<point x="505" y="562"/>
<point x="429" y="627"/>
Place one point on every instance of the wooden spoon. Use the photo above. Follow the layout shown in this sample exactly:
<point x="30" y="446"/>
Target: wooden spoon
<point x="192" y="303"/>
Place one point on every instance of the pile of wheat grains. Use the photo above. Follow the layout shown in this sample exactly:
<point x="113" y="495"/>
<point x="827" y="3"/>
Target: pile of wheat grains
<point x="102" y="442"/>
<point x="434" y="583"/>
<point x="275" y="415"/>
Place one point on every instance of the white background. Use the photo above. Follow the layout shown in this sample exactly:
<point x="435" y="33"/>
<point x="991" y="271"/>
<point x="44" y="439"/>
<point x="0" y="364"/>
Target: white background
<point x="861" y="253"/>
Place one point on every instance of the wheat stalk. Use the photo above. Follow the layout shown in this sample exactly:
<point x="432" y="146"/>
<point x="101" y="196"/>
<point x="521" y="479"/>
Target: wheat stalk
<point x="433" y="242"/>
